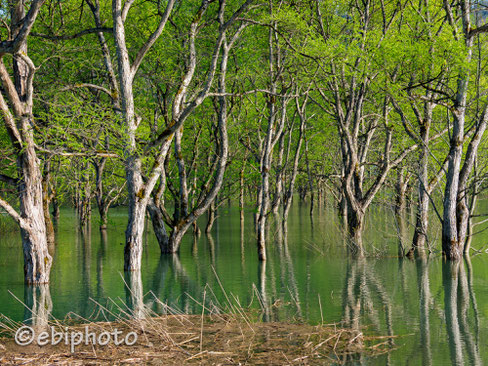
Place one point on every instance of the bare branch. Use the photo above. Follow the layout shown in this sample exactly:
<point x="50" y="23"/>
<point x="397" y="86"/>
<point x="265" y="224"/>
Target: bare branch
<point x="90" y="86"/>
<point x="152" y="39"/>
<point x="66" y="37"/>
<point x="12" y="212"/>
<point x="100" y="154"/>
<point x="125" y="9"/>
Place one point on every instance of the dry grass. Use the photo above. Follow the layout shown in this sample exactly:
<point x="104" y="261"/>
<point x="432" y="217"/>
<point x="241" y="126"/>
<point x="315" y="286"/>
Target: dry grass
<point x="211" y="339"/>
<point x="230" y="335"/>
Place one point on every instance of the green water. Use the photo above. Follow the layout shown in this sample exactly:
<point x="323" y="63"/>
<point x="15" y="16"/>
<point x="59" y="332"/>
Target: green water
<point x="438" y="311"/>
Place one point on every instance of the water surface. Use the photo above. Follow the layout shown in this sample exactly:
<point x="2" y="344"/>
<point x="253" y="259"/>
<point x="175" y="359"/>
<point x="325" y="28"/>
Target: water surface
<point x="438" y="310"/>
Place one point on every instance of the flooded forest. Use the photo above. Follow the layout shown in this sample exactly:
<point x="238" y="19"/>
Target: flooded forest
<point x="292" y="163"/>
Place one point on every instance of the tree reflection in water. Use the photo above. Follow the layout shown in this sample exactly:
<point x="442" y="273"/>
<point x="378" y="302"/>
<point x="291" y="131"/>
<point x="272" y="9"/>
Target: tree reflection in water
<point x="38" y="307"/>
<point x="457" y="301"/>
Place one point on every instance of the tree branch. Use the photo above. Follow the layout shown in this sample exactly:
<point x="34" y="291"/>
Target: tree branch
<point x="152" y="39"/>
<point x="11" y="211"/>
<point x="65" y="37"/>
<point x="14" y="45"/>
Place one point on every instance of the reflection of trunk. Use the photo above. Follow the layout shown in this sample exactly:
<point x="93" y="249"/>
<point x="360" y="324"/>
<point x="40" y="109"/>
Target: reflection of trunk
<point x="473" y="298"/>
<point x="351" y="297"/>
<point x="425" y="299"/>
<point x="85" y="237"/>
<point x="38" y="307"/>
<point x="158" y="283"/>
<point x="262" y="291"/>
<point x="470" y="343"/>
<point x="358" y="298"/>
<point x="450" y="273"/>
<point x="100" y="258"/>
<point x="291" y="272"/>
<point x="457" y="295"/>
<point x="134" y="294"/>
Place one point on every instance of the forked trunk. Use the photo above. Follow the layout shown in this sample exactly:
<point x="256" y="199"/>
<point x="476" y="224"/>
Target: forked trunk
<point x="158" y="225"/>
<point x="174" y="242"/>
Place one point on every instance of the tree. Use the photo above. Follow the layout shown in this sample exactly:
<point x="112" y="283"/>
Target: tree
<point x="20" y="124"/>
<point x="456" y="213"/>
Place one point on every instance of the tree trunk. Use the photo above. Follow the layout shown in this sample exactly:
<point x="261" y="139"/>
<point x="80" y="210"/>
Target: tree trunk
<point x="454" y="223"/>
<point x="101" y="202"/>
<point x="135" y="186"/>
<point x="422" y="218"/>
<point x="451" y="245"/>
<point x="355" y="221"/>
<point x="211" y="218"/>
<point x="55" y="211"/>
<point x="37" y="260"/>
<point x="158" y="225"/>
<point x="46" y="199"/>
<point x="400" y="207"/>
<point x="134" y="235"/>
<point x="241" y="194"/>
<point x="174" y="241"/>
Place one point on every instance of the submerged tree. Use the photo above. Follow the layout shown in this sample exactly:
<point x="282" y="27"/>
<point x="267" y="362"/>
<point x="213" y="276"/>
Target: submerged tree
<point x="17" y="113"/>
<point x="464" y="138"/>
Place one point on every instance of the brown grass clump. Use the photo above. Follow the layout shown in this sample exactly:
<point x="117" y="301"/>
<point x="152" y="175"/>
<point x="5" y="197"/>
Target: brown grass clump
<point x="209" y="340"/>
<point x="221" y="335"/>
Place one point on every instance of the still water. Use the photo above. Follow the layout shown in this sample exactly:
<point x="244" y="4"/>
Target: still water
<point x="438" y="311"/>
